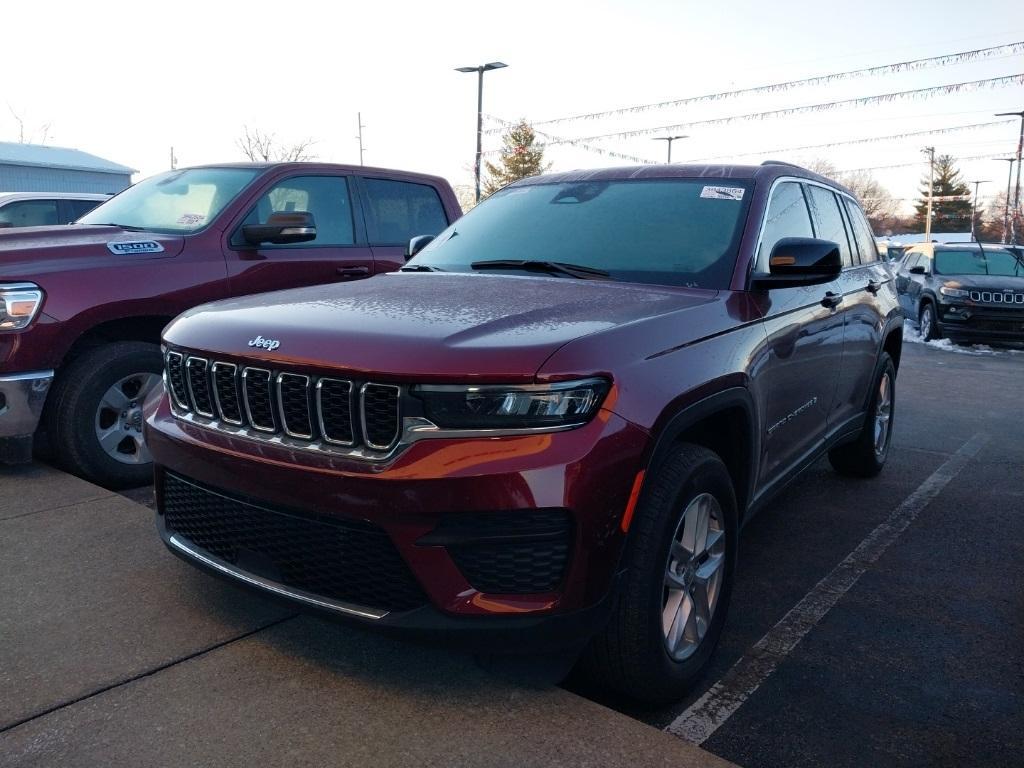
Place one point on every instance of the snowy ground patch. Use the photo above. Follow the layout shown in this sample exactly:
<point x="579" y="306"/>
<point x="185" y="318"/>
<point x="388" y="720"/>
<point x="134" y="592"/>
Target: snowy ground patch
<point x="912" y="335"/>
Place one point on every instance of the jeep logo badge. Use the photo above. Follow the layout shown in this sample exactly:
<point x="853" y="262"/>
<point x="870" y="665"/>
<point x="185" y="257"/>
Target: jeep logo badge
<point x="268" y="344"/>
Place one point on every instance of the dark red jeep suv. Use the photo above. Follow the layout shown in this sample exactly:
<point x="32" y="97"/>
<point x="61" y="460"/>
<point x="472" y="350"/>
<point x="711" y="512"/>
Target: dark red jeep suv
<point x="548" y="428"/>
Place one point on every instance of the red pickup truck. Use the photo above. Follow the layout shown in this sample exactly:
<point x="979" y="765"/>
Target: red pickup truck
<point x="82" y="306"/>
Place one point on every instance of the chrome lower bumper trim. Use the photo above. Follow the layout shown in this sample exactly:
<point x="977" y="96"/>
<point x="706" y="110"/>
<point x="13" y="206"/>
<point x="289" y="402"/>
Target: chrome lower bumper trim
<point x="181" y="544"/>
<point x="22" y="403"/>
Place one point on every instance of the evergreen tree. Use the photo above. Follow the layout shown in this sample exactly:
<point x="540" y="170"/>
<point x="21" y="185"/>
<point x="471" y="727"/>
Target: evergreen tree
<point x="519" y="159"/>
<point x="948" y="215"/>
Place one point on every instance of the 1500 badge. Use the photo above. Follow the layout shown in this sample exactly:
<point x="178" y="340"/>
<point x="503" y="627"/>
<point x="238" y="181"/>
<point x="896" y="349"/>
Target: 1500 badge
<point x="127" y="247"/>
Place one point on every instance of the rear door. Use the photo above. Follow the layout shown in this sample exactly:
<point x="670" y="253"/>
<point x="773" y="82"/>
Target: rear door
<point x="805" y="340"/>
<point x="338" y="253"/>
<point x="397" y="210"/>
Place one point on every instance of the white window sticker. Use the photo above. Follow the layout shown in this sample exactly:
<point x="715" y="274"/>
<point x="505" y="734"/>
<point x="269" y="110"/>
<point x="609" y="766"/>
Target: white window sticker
<point x="191" y="219"/>
<point x="723" y="193"/>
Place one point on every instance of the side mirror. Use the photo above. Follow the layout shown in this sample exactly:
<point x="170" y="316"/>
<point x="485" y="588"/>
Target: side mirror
<point x="800" y="261"/>
<point x="417" y="244"/>
<point x="918" y="269"/>
<point x="281" y="229"/>
<point x="5" y="225"/>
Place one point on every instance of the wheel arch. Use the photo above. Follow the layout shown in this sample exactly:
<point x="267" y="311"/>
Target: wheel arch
<point x="145" y="328"/>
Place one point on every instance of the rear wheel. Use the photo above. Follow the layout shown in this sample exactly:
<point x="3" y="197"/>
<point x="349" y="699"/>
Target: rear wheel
<point x="928" y="322"/>
<point x="866" y="455"/>
<point x="679" y="559"/>
<point x="95" y="415"/>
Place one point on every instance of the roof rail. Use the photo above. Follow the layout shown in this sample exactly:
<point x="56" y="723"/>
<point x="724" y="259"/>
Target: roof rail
<point x="783" y="162"/>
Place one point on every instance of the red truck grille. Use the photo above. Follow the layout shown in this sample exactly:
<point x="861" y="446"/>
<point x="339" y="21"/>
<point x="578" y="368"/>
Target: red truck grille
<point x="269" y="403"/>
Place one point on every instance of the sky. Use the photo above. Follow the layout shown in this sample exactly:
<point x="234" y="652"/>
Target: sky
<point x="129" y="80"/>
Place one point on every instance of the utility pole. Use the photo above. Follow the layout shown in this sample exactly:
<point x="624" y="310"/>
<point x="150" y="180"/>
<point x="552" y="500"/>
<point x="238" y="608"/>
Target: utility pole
<point x="1006" y="209"/>
<point x="974" y="208"/>
<point x="930" y="151"/>
<point x="480" y="113"/>
<point x="1016" y="194"/>
<point x="359" y="119"/>
<point x="174" y="160"/>
<point x="669" y="140"/>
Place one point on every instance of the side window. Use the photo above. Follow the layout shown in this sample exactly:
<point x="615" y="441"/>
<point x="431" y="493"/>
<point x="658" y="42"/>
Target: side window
<point x="787" y="216"/>
<point x="326" y="197"/>
<point x="399" y="210"/>
<point x="81" y="207"/>
<point x="862" y="232"/>
<point x="828" y="220"/>
<point x="29" y="213"/>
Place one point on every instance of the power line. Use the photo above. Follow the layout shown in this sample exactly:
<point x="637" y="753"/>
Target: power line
<point x="868" y="140"/>
<point x="995" y="51"/>
<point x="909" y="165"/>
<point x="574" y="143"/>
<point x="918" y="93"/>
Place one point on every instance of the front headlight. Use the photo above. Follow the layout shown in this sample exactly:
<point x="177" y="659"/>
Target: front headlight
<point x="19" y="305"/>
<point x="954" y="293"/>
<point x="496" y="406"/>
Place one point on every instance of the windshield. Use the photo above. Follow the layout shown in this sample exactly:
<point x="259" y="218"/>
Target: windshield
<point x="176" y="202"/>
<point x="978" y="262"/>
<point x="671" y="232"/>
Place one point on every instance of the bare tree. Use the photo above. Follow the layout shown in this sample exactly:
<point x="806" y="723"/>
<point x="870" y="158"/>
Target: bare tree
<point x="264" y="147"/>
<point x="22" y="138"/>
<point x="879" y="205"/>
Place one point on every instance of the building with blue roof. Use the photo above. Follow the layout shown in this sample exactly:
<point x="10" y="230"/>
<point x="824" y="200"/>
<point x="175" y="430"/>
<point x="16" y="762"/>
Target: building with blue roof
<point x="39" y="168"/>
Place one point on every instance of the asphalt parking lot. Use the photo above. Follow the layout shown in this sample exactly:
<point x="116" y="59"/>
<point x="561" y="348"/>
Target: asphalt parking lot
<point x="874" y="622"/>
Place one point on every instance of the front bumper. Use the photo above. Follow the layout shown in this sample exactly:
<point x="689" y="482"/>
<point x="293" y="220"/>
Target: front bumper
<point x="22" y="396"/>
<point x="981" y="322"/>
<point x="588" y="472"/>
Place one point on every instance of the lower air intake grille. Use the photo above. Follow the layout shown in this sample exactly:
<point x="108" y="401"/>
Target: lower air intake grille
<point x="350" y="561"/>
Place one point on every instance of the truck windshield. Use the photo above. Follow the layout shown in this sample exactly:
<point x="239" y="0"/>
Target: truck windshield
<point x="681" y="232"/>
<point x="176" y="202"/>
<point x="977" y="262"/>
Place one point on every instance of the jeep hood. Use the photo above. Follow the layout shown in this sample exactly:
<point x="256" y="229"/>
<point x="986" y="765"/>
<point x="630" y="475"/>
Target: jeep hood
<point x="26" y="252"/>
<point x="425" y="325"/>
<point x="983" y="282"/>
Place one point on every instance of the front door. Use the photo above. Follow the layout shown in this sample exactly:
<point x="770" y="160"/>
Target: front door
<point x="338" y="253"/>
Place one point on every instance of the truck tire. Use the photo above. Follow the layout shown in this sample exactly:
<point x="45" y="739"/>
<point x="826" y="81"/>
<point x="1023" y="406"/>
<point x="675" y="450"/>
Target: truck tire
<point x="679" y="562"/>
<point x="865" y="456"/>
<point x="94" y="418"/>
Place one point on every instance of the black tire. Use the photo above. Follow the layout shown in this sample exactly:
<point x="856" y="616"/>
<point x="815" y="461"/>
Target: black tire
<point x="931" y="321"/>
<point x="861" y="458"/>
<point x="73" y="408"/>
<point x="630" y="655"/>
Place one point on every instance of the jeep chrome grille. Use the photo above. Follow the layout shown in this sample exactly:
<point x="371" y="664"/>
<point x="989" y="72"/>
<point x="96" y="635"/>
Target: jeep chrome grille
<point x="998" y="297"/>
<point x="318" y="412"/>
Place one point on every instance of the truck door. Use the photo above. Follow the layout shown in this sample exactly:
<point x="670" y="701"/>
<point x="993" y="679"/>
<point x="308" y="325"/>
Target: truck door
<point x="804" y="329"/>
<point x="338" y="253"/>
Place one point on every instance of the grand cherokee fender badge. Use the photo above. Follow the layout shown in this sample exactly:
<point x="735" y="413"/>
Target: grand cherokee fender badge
<point x="128" y="247"/>
<point x="268" y="344"/>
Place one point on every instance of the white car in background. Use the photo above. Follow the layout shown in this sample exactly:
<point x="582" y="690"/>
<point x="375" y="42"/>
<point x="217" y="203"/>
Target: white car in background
<point x="40" y="209"/>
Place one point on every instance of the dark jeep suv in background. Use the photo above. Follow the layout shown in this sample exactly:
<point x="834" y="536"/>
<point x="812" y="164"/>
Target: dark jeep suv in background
<point x="548" y="428"/>
<point x="966" y="291"/>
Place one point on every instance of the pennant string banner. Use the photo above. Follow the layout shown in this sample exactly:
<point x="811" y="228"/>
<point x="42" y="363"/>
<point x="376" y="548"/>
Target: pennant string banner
<point x="571" y="142"/>
<point x="1007" y="49"/>
<point x="921" y="162"/>
<point x="916" y="93"/>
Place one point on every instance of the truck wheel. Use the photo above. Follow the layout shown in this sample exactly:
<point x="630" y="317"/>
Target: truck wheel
<point x="866" y="455"/>
<point x="95" y="414"/>
<point x="928" y="322"/>
<point x="679" y="562"/>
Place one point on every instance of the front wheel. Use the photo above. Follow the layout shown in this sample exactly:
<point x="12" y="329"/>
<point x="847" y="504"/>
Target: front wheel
<point x="928" y="322"/>
<point x="95" y="414"/>
<point x="680" y="559"/>
<point x="865" y="456"/>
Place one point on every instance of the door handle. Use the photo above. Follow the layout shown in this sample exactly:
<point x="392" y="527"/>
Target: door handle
<point x="354" y="272"/>
<point x="832" y="300"/>
<point x="872" y="286"/>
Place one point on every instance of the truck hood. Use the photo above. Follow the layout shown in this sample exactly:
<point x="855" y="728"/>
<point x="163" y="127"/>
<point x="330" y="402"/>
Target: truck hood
<point x="985" y="282"/>
<point x="26" y="252"/>
<point x="430" y="326"/>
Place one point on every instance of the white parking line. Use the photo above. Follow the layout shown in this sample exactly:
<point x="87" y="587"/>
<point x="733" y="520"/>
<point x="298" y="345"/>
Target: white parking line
<point x="710" y="711"/>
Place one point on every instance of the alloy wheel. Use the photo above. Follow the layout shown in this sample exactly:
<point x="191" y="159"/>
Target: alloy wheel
<point x="883" y="414"/>
<point x="926" y="323"/>
<point x="693" y="576"/>
<point x="118" y="421"/>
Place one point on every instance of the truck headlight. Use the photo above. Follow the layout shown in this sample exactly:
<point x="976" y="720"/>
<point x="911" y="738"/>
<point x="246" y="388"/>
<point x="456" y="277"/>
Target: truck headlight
<point x="19" y="305"/>
<point x="954" y="293"/>
<point x="497" y="406"/>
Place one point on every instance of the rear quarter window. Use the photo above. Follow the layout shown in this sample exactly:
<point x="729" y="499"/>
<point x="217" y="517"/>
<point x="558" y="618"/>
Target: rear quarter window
<point x="400" y="210"/>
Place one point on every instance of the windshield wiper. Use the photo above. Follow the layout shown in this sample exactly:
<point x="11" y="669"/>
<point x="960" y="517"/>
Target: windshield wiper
<point x="552" y="267"/>
<point x="125" y="227"/>
<point x="419" y="268"/>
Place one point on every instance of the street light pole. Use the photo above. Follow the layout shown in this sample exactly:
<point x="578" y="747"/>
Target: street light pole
<point x="974" y="208"/>
<point x="669" y="140"/>
<point x="930" y="151"/>
<point x="1016" y="193"/>
<point x="480" y="113"/>
<point x="1006" y="209"/>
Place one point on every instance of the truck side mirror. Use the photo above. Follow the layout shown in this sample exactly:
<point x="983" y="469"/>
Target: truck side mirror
<point x="417" y="244"/>
<point x="800" y="261"/>
<point x="918" y="269"/>
<point x="281" y="229"/>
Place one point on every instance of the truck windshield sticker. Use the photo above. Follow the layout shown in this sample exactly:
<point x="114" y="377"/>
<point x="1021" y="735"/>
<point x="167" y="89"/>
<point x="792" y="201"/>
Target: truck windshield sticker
<point x="191" y="219"/>
<point x="722" y="193"/>
<point x="126" y="247"/>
